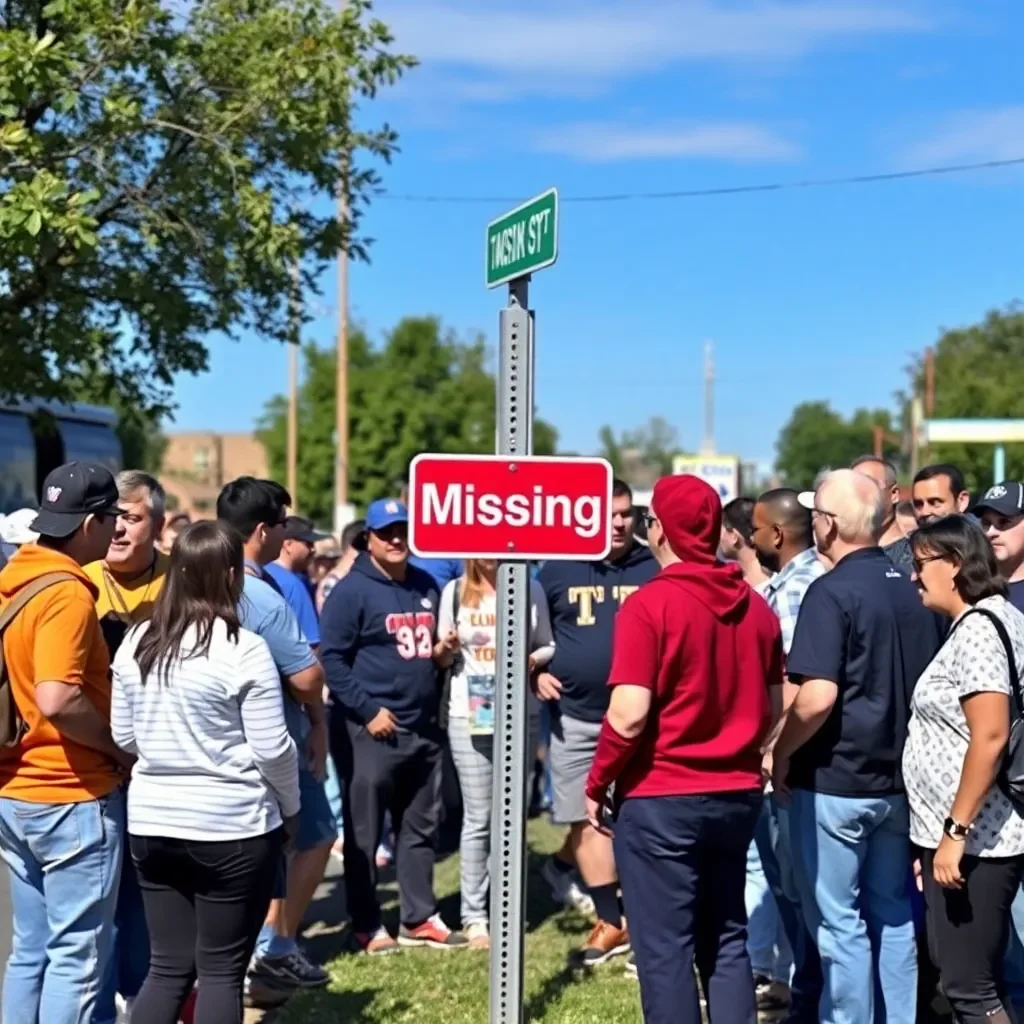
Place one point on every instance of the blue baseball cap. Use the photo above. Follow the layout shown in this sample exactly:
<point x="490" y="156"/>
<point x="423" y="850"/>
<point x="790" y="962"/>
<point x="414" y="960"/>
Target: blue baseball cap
<point x="384" y="513"/>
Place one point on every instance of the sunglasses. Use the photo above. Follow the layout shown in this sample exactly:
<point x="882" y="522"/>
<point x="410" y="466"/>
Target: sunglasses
<point x="920" y="563"/>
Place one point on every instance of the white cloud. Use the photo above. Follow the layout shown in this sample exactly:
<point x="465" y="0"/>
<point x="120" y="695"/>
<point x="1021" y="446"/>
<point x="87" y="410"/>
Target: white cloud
<point x="972" y="136"/>
<point x="600" y="142"/>
<point x="532" y="47"/>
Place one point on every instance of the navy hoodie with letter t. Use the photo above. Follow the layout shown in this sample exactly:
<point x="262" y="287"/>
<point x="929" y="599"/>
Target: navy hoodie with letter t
<point x="377" y="642"/>
<point x="584" y="598"/>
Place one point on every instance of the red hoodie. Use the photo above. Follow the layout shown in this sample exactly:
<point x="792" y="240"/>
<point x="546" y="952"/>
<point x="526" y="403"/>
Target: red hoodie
<point x="708" y="648"/>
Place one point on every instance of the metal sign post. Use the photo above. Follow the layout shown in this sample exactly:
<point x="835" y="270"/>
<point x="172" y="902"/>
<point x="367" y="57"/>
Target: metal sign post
<point x="518" y="243"/>
<point x="508" y="822"/>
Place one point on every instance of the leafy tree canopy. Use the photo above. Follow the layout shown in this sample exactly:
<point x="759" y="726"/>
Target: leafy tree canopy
<point x="161" y="168"/>
<point x="655" y="445"/>
<point x="979" y="373"/>
<point x="422" y="390"/>
<point x="817" y="437"/>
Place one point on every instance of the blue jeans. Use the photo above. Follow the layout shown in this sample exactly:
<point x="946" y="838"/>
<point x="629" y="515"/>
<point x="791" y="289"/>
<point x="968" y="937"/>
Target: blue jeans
<point x="333" y="787"/>
<point x="766" y="941"/>
<point x="851" y="856"/>
<point x="775" y="848"/>
<point x="681" y="861"/>
<point x="65" y="867"/>
<point x="129" y="964"/>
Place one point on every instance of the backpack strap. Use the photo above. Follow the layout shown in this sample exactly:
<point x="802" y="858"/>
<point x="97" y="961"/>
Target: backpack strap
<point x="13" y="608"/>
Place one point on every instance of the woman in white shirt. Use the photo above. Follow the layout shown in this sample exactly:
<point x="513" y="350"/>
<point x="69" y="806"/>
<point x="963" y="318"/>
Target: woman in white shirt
<point x="197" y="699"/>
<point x="971" y="835"/>
<point x="469" y="608"/>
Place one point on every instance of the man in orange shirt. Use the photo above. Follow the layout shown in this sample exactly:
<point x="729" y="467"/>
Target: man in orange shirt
<point x="62" y="813"/>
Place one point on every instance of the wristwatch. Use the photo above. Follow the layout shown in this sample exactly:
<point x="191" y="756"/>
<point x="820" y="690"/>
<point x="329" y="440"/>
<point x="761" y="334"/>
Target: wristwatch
<point x="955" y="830"/>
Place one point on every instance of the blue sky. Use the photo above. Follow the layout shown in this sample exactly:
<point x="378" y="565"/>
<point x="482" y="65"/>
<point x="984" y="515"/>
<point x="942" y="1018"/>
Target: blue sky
<point x="807" y="294"/>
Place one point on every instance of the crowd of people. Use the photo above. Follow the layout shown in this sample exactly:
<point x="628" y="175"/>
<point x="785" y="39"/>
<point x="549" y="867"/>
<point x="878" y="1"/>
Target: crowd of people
<point x="801" y="711"/>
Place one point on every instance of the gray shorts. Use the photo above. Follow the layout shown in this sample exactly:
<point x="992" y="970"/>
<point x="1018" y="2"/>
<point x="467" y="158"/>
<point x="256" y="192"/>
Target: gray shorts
<point x="573" y="745"/>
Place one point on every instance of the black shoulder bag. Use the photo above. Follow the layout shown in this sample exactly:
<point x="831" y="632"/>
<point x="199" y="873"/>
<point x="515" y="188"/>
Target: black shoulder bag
<point x="1011" y="776"/>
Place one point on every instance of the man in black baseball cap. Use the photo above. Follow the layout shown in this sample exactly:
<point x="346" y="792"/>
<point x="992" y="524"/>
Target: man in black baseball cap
<point x="72" y="493"/>
<point x="66" y="765"/>
<point x="1001" y="511"/>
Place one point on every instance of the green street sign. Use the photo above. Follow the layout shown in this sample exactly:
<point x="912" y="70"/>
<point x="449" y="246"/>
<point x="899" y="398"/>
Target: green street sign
<point x="523" y="240"/>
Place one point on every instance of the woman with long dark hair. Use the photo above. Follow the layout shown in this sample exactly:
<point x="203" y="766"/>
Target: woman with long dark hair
<point x="970" y="833"/>
<point x="198" y="700"/>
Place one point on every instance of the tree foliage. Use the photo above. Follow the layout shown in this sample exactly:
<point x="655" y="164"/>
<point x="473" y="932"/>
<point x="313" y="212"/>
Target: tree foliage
<point x="655" y="444"/>
<point x="816" y="437"/>
<point x="422" y="390"/>
<point x="979" y="373"/>
<point x="162" y="167"/>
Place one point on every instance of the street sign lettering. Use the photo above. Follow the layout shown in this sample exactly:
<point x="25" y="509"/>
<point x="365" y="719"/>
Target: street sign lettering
<point x="523" y="240"/>
<point x="488" y="506"/>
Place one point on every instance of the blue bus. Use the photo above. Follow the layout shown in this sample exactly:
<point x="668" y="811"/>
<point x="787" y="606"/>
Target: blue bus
<point x="37" y="436"/>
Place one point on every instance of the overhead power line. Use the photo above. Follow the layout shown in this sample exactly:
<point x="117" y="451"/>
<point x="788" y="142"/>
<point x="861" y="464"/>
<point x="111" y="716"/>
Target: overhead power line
<point x="731" y="190"/>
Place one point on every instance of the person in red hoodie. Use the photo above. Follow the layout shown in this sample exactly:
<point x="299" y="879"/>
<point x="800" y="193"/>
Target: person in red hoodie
<point x="696" y="682"/>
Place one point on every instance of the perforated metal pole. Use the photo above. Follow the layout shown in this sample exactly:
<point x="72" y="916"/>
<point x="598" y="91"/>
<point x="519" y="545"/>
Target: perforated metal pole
<point x="511" y="758"/>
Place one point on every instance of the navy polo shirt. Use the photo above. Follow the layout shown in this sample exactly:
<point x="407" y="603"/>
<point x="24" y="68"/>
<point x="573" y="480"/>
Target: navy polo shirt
<point x="863" y="627"/>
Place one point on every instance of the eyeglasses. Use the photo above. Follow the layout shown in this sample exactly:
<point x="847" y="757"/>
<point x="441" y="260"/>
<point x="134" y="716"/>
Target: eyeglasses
<point x="919" y="563"/>
<point x="822" y="512"/>
<point x="649" y="520"/>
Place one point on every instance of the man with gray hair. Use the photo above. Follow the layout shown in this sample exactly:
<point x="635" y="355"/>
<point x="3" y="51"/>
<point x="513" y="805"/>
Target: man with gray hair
<point x="862" y="640"/>
<point x="891" y="538"/>
<point x="128" y="581"/>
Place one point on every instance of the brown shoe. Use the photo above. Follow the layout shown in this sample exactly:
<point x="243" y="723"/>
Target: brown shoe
<point x="604" y="942"/>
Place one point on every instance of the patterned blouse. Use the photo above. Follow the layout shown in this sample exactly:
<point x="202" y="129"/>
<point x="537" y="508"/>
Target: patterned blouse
<point x="973" y="660"/>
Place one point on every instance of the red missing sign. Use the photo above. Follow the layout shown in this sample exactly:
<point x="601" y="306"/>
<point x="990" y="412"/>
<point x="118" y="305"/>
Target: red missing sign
<point x="491" y="506"/>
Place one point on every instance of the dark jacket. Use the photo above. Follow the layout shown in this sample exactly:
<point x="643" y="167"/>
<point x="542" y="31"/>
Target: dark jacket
<point x="584" y="598"/>
<point x="376" y="644"/>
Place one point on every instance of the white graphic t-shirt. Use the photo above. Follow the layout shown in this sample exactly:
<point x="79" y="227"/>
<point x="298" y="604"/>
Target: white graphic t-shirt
<point x="472" y="685"/>
<point x="973" y="660"/>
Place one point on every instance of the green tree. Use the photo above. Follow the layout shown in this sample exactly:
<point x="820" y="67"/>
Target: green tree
<point x="656" y="444"/>
<point x="979" y="373"/>
<point x="162" y="166"/>
<point x="422" y="390"/>
<point x="816" y="437"/>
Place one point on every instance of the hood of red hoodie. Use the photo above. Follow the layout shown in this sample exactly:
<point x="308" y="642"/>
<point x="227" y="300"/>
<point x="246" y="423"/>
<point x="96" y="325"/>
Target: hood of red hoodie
<point x="690" y="513"/>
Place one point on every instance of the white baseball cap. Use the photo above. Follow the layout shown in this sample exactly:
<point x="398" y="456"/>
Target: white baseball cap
<point x="15" y="528"/>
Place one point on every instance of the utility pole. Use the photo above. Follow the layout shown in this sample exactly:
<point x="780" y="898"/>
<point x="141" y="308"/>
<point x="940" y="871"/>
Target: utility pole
<point x="295" y="303"/>
<point x="929" y="391"/>
<point x="708" y="444"/>
<point x="341" y="515"/>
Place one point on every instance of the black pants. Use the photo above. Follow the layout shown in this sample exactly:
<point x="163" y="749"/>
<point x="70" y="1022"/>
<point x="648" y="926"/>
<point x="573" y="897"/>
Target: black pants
<point x="682" y="862"/>
<point x="204" y="904"/>
<point x="968" y="930"/>
<point x="401" y="775"/>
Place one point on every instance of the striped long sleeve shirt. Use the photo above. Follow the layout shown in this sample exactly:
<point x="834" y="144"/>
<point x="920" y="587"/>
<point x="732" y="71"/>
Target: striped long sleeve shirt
<point x="215" y="761"/>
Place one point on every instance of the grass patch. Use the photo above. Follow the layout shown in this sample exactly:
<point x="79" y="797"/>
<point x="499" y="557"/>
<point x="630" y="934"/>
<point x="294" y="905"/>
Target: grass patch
<point x="432" y="987"/>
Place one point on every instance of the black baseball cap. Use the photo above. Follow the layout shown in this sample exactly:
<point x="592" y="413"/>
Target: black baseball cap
<point x="297" y="528"/>
<point x="73" y="492"/>
<point x="1006" y="498"/>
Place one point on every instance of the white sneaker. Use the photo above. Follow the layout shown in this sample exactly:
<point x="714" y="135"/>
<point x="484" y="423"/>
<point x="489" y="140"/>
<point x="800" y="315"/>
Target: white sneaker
<point x="478" y="935"/>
